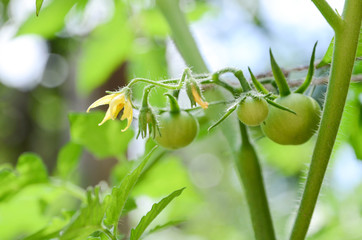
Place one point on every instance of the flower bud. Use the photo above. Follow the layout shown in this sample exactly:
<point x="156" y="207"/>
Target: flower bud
<point x="147" y="121"/>
<point x="194" y="93"/>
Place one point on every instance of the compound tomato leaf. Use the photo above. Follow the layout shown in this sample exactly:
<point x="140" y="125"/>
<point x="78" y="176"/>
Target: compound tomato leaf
<point x="31" y="167"/>
<point x="68" y="159"/>
<point x="51" y="231"/>
<point x="29" y="170"/>
<point x="137" y="232"/>
<point x="166" y="225"/>
<point x="87" y="220"/>
<point x="327" y="59"/>
<point x="114" y="203"/>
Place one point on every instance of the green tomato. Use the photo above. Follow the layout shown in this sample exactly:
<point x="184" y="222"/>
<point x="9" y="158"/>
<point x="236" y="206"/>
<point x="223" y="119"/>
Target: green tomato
<point x="253" y="111"/>
<point x="177" y="130"/>
<point x="292" y="129"/>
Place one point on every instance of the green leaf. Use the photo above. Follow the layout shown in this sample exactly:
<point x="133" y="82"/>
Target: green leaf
<point x="39" y="3"/>
<point x="87" y="220"/>
<point x="152" y="183"/>
<point x="51" y="231"/>
<point x="351" y="123"/>
<point x="51" y="20"/>
<point x="327" y="59"/>
<point x="32" y="167"/>
<point x="166" y="225"/>
<point x="129" y="206"/>
<point x="104" y="50"/>
<point x="115" y="202"/>
<point x="137" y="232"/>
<point x="327" y="56"/>
<point x="357" y="68"/>
<point x="29" y="170"/>
<point x="68" y="159"/>
<point x="103" y="141"/>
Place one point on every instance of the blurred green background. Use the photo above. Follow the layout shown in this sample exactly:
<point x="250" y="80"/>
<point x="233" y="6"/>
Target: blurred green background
<point x="52" y="67"/>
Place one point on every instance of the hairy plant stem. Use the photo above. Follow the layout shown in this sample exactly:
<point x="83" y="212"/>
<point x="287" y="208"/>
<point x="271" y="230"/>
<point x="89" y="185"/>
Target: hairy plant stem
<point x="346" y="40"/>
<point x="329" y="14"/>
<point x="248" y="166"/>
<point x="250" y="173"/>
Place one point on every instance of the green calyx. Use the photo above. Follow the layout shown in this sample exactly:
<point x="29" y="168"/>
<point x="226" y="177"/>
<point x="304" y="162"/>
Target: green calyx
<point x="147" y="122"/>
<point x="258" y="86"/>
<point x="279" y="76"/>
<point x="228" y="112"/>
<point x="302" y="88"/>
<point x="174" y="107"/>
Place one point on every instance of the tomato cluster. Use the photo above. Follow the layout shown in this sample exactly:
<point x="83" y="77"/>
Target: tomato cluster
<point x="289" y="119"/>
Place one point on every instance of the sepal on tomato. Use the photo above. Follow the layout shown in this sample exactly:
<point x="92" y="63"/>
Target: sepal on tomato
<point x="258" y="86"/>
<point x="228" y="112"/>
<point x="308" y="80"/>
<point x="147" y="123"/>
<point x="279" y="76"/>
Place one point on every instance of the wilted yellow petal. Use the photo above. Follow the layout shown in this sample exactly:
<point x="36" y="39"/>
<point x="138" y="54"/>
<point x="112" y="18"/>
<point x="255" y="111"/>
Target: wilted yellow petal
<point x="127" y="110"/>
<point x="198" y="99"/>
<point x="102" y="101"/>
<point x="116" y="105"/>
<point x="106" y="117"/>
<point x="127" y="113"/>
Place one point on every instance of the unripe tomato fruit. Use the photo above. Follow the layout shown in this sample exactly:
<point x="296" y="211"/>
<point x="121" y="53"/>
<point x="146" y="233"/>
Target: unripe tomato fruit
<point x="292" y="129"/>
<point x="177" y="130"/>
<point x="253" y="111"/>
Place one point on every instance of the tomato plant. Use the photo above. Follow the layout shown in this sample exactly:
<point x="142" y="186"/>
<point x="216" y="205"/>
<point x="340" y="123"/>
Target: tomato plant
<point x="125" y="39"/>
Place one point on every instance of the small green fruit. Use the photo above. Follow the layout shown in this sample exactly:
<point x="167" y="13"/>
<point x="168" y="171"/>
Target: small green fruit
<point x="253" y="111"/>
<point x="177" y="129"/>
<point x="292" y="129"/>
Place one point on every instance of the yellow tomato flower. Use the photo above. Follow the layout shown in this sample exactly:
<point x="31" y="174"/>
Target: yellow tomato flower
<point x="198" y="98"/>
<point x="116" y="102"/>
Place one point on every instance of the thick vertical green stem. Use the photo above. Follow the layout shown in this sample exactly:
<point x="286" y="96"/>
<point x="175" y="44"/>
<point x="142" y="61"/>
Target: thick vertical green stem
<point x="182" y="35"/>
<point x="346" y="40"/>
<point x="250" y="173"/>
